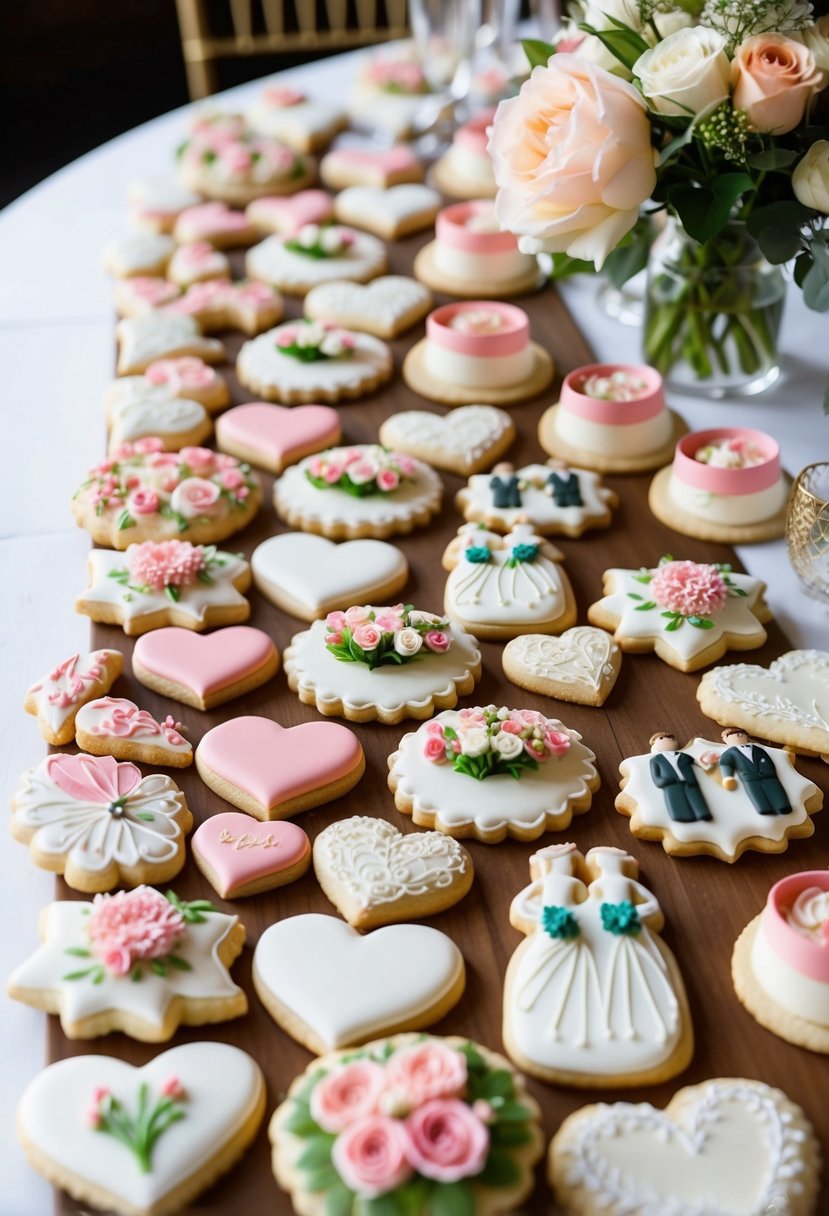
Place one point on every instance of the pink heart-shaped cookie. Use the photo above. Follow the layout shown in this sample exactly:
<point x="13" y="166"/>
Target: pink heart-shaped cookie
<point x="204" y="670"/>
<point x="239" y="857"/>
<point x="273" y="771"/>
<point x="273" y="436"/>
<point x="287" y="215"/>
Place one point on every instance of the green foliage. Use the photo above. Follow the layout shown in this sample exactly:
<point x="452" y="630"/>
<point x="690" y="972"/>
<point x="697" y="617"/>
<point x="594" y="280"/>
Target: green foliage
<point x="537" y="52"/>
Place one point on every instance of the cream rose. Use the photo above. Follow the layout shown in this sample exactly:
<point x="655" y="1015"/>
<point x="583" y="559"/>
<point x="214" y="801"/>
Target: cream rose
<point x="810" y="180"/>
<point x="687" y="73"/>
<point x="195" y="496"/>
<point x="573" y="160"/>
<point x="816" y="38"/>
<point x="773" y="78"/>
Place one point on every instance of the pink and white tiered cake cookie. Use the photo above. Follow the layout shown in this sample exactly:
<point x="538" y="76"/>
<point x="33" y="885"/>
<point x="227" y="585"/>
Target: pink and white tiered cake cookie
<point x="465" y="170"/>
<point x="470" y="256"/>
<point x="286" y="113"/>
<point x="478" y="351"/>
<point x="611" y="417"/>
<point x="725" y="485"/>
<point x="780" y="964"/>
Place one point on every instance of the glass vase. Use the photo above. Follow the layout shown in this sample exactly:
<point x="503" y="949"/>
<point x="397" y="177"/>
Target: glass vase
<point x="713" y="312"/>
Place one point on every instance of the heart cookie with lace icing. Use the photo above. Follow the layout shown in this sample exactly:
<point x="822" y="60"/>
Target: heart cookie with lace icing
<point x="786" y="702"/>
<point x="392" y="213"/>
<point x="469" y="439"/>
<point x="387" y="307"/>
<point x="374" y="875"/>
<point x="728" y="1146"/>
<point x="190" y="1114"/>
<point x="581" y="665"/>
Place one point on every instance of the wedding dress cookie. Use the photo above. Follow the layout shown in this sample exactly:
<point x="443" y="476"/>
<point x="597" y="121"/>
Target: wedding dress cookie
<point x="316" y="255"/>
<point x="114" y="726"/>
<point x="142" y="1141"/>
<point x="273" y="436"/>
<point x="717" y="798"/>
<point x="386" y="307"/>
<point x="239" y="857"/>
<point x="465" y="441"/>
<point x="56" y="699"/>
<point x="492" y="773"/>
<point x="328" y="986"/>
<point x="382" y="663"/>
<point x="139" y="961"/>
<point x="155" y="335"/>
<point x="287" y="114"/>
<point x="303" y="361"/>
<point x="582" y="665"/>
<point x="377" y="493"/>
<point x="443" y="1145"/>
<point x="502" y="586"/>
<point x="555" y="499"/>
<point x="688" y="613"/>
<point x="390" y="214"/>
<point x="593" y="996"/>
<point x="100" y="823"/>
<point x="204" y="670"/>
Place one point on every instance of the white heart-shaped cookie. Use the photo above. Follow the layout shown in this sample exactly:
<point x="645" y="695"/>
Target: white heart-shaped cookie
<point x="386" y="307"/>
<point x="330" y="987"/>
<point x="465" y="441"/>
<point x="62" y="1123"/>
<point x="310" y="576"/>
<point x="581" y="665"/>
<point x="389" y="213"/>
<point x="786" y="702"/>
<point x="728" y="1146"/>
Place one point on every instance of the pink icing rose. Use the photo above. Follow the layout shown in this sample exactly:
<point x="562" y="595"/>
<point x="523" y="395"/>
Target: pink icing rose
<point x="437" y="641"/>
<point x="388" y="621"/>
<point x="333" y="639"/>
<point x="279" y="95"/>
<point x="434" y="749"/>
<point x="356" y="615"/>
<point x="447" y="1141"/>
<point x="406" y="464"/>
<point x="132" y="926"/>
<point x="143" y="502"/>
<point x="150" y="443"/>
<point x="332" y="473"/>
<point x="160" y="564"/>
<point x="232" y="479"/>
<point x="336" y="620"/>
<point x="187" y="372"/>
<point x="173" y="1088"/>
<point x="371" y="1155"/>
<point x="362" y="471"/>
<point x="434" y="728"/>
<point x="773" y="78"/>
<point x="194" y="496"/>
<point x="558" y="743"/>
<point x="237" y="158"/>
<point x="163" y="460"/>
<point x="689" y="588"/>
<point x="197" y="458"/>
<point x="425" y="1071"/>
<point x="511" y="726"/>
<point x="367" y="636"/>
<point x="223" y="461"/>
<point x="346" y="1094"/>
<point x="388" y="480"/>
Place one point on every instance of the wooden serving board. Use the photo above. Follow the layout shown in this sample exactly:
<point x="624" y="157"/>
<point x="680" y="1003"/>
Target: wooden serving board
<point x="706" y="902"/>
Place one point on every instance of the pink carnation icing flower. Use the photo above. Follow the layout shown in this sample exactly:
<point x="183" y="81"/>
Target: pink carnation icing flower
<point x="165" y="563"/>
<point x="447" y="1140"/>
<point x="689" y="588"/>
<point x="371" y="1155"/>
<point x="425" y="1071"/>
<point x="133" y="926"/>
<point x="346" y="1094"/>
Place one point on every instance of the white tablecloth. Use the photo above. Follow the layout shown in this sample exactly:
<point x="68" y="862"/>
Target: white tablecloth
<point x="56" y="352"/>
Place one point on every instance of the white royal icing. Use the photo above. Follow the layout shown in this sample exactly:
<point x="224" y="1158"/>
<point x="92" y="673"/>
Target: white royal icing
<point x="140" y="251"/>
<point x="729" y="508"/>
<point x="118" y="718"/>
<point x="789" y="988"/>
<point x="316" y="572"/>
<point x="467" y="433"/>
<point x="136" y="409"/>
<point x="494" y="592"/>
<point x="381" y="207"/>
<point x="386" y="300"/>
<point x="76" y="680"/>
<point x="271" y="262"/>
<point x="263" y="364"/>
<point x="184" y="269"/>
<point x="541" y="800"/>
<point x="158" y="335"/>
<point x="582" y="655"/>
<point x="347" y="987"/>
<point x="478" y="371"/>
<point x="163" y="196"/>
<point x="492" y="269"/>
<point x="627" y="439"/>
<point x="391" y="112"/>
<point x="473" y="168"/>
<point x="294" y="123"/>
<point x="537" y="506"/>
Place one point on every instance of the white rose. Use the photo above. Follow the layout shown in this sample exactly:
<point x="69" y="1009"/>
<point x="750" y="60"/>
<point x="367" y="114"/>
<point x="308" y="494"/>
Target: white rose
<point x="308" y="235"/>
<point x="417" y="617"/>
<point x="816" y="38"/>
<point x="474" y="741"/>
<point x="810" y="180"/>
<point x="686" y="73"/>
<point x="195" y="496"/>
<point x="309" y="335"/>
<point x="332" y="346"/>
<point x="407" y="642"/>
<point x="331" y="240"/>
<point x="508" y="746"/>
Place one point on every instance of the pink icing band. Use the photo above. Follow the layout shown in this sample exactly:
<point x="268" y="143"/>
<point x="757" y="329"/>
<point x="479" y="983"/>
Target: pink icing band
<point x="474" y="134"/>
<point x="511" y="338"/>
<point x="807" y="957"/>
<point x="393" y="159"/>
<point x="727" y="481"/>
<point x="275" y="763"/>
<point x="276" y="430"/>
<point x="451" y="229"/>
<point x="240" y="849"/>
<point x="203" y="663"/>
<point x="613" y="413"/>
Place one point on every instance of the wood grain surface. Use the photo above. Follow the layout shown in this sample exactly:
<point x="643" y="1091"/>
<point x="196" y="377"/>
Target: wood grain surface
<point x="706" y="902"/>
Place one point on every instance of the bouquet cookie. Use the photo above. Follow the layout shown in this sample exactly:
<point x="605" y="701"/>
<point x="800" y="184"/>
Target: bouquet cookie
<point x="223" y="159"/>
<point x="316" y="254"/>
<point x="303" y="361"/>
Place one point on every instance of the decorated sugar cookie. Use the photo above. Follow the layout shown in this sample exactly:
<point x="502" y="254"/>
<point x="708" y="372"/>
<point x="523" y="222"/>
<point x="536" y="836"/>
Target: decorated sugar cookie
<point x="239" y="856"/>
<point x="379" y="167"/>
<point x="492" y="773"/>
<point x="142" y="1141"/>
<point x="717" y="798"/>
<point x="374" y="875"/>
<point x="390" y="91"/>
<point x="315" y="255"/>
<point x="401" y="977"/>
<point x="465" y="170"/>
<point x="728" y="1145"/>
<point x="593" y="997"/>
<point x="440" y="1142"/>
<point x="364" y="490"/>
<point x="155" y="203"/>
<point x="188" y="377"/>
<point x="780" y="964"/>
<point x="139" y="961"/>
<point x="169" y="582"/>
<point x="287" y="114"/>
<point x="555" y="499"/>
<point x="786" y="702"/>
<point x="502" y="586"/>
<point x="218" y="305"/>
<point x="390" y="214"/>
<point x="273" y="436"/>
<point x="138" y="411"/>
<point x="204" y="671"/>
<point x="114" y="726"/>
<point x="688" y="613"/>
<point x="368" y="663"/>
<point x="303" y="361"/>
<point x="143" y="253"/>
<point x="471" y="256"/>
<point x="197" y="262"/>
<point x="465" y="441"/>
<point x="216" y="224"/>
<point x="142" y="293"/>
<point x="144" y="493"/>
<point x="582" y="665"/>
<point x="57" y="697"/>
<point x="223" y="159"/>
<point x="386" y="307"/>
<point x="274" y="772"/>
<point x="100" y="823"/>
<point x="309" y="576"/>
<point x="156" y="335"/>
<point x="288" y="214"/>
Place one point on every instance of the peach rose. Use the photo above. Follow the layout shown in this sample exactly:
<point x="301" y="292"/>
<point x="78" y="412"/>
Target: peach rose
<point x="773" y="78"/>
<point x="346" y="1094"/>
<point x="371" y="1155"/>
<point x="447" y="1141"/>
<point x="573" y="160"/>
<point x="194" y="497"/>
<point x="426" y="1070"/>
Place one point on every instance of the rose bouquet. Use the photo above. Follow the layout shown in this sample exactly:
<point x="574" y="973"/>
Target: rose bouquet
<point x="489" y="741"/>
<point x="385" y="636"/>
<point x="313" y="341"/>
<point x="360" y="471"/>
<point x="714" y="113"/>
